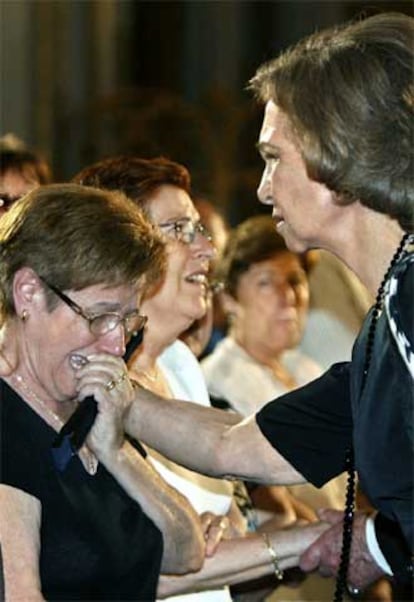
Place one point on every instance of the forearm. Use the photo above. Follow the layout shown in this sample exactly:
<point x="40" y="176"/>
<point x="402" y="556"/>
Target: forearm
<point x="150" y="418"/>
<point x="207" y="440"/>
<point x="243" y="559"/>
<point x="168" y="509"/>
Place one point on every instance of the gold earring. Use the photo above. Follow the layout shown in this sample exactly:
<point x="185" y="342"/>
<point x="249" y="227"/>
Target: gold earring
<point x="24" y="316"/>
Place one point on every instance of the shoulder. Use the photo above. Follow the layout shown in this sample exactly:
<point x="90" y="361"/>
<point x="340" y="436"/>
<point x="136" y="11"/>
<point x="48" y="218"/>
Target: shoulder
<point x="183" y="371"/>
<point x="19" y="501"/>
<point x="221" y="359"/>
<point x="303" y="368"/>
<point x="25" y="440"/>
<point x="178" y="356"/>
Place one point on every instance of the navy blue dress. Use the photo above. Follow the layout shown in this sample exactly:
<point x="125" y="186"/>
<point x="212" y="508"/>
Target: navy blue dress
<point x="312" y="427"/>
<point x="96" y="542"/>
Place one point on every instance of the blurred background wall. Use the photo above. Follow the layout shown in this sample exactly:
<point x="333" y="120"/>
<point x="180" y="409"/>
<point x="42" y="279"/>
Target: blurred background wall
<point x="84" y="79"/>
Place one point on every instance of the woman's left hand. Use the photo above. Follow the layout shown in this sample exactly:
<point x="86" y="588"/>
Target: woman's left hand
<point x="215" y="528"/>
<point x="105" y="377"/>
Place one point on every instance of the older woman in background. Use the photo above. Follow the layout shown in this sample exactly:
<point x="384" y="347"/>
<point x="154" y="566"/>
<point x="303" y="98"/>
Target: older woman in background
<point x="265" y="298"/>
<point x="74" y="265"/>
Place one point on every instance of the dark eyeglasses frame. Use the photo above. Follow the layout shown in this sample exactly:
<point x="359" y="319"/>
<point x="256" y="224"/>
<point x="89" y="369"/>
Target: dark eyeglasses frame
<point x="78" y="310"/>
<point x="6" y="201"/>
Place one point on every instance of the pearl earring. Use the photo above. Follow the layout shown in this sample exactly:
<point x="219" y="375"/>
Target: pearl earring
<point x="24" y="315"/>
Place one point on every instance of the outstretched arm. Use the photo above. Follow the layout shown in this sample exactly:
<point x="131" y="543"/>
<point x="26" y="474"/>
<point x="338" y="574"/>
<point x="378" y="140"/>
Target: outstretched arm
<point x="243" y="559"/>
<point x="210" y="441"/>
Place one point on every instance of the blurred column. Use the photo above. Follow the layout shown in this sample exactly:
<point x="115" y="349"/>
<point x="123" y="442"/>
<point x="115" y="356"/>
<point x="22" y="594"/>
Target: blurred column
<point x="16" y="69"/>
<point x="213" y="44"/>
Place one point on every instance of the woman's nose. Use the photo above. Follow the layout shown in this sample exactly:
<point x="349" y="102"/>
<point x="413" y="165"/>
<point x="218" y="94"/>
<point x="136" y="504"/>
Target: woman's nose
<point x="288" y="295"/>
<point x="264" y="189"/>
<point x="114" y="341"/>
<point x="204" y="246"/>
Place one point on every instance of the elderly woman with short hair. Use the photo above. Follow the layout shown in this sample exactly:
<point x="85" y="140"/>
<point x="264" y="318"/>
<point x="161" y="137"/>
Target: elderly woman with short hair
<point x="74" y="265"/>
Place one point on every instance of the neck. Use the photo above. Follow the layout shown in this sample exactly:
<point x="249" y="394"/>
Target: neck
<point x="367" y="244"/>
<point x="143" y="368"/>
<point x="162" y="329"/>
<point x="269" y="359"/>
<point x="263" y="355"/>
<point x="52" y="412"/>
<point x="8" y="350"/>
<point x="16" y="369"/>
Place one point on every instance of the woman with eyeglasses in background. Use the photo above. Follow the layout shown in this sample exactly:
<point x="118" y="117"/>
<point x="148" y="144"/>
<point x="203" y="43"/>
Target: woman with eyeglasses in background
<point x="166" y="366"/>
<point x="74" y="265"/>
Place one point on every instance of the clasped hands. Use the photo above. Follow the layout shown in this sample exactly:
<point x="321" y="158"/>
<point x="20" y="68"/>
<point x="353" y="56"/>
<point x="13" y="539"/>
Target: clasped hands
<point x="325" y="553"/>
<point x="215" y="528"/>
<point x="105" y="377"/>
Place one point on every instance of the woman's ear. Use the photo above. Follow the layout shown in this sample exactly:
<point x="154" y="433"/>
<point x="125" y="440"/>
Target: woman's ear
<point x="229" y="304"/>
<point x="26" y="291"/>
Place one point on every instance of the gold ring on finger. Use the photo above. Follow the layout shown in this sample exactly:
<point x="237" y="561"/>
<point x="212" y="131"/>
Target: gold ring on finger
<point x="224" y="523"/>
<point x="121" y="378"/>
<point x="111" y="384"/>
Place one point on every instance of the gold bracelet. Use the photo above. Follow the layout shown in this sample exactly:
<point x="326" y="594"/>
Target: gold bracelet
<point x="273" y="557"/>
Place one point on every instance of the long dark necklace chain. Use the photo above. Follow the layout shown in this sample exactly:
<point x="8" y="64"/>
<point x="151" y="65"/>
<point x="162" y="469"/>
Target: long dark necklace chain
<point x="341" y="580"/>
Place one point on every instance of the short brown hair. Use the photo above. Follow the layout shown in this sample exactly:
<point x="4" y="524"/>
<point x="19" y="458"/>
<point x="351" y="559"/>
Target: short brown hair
<point x="349" y="95"/>
<point x="252" y="241"/>
<point x="139" y="179"/>
<point x="25" y="162"/>
<point x="76" y="236"/>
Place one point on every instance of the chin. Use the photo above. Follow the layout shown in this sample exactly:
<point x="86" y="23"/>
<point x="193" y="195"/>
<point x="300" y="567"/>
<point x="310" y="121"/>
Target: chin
<point x="198" y="312"/>
<point x="292" y="342"/>
<point x="293" y="243"/>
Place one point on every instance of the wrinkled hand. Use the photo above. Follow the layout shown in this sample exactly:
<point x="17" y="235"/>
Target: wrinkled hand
<point x="215" y="528"/>
<point x="325" y="553"/>
<point x="105" y="377"/>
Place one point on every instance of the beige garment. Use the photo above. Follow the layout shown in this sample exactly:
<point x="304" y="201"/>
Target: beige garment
<point x="339" y="303"/>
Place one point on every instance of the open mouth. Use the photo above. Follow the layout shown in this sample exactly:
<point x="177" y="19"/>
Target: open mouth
<point x="197" y="278"/>
<point x="277" y="218"/>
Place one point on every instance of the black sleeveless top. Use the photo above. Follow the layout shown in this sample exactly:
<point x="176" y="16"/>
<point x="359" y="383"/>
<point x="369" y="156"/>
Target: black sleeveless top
<point x="96" y="542"/>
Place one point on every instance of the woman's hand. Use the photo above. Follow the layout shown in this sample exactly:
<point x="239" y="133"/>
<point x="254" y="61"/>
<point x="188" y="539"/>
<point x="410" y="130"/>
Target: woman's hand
<point x="215" y="528"/>
<point x="105" y="377"/>
<point x="325" y="553"/>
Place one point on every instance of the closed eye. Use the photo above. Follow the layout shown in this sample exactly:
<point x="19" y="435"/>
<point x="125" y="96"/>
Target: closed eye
<point x="268" y="153"/>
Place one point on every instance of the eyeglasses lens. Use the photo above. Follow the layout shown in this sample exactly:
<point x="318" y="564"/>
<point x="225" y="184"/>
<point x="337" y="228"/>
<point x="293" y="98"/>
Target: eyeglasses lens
<point x="106" y="322"/>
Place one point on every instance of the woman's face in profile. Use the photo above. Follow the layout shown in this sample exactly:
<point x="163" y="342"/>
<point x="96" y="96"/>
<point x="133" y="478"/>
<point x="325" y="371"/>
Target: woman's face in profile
<point x="182" y="297"/>
<point x="272" y="303"/>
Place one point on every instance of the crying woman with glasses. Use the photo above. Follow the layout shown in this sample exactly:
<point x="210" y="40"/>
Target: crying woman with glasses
<point x="75" y="264"/>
